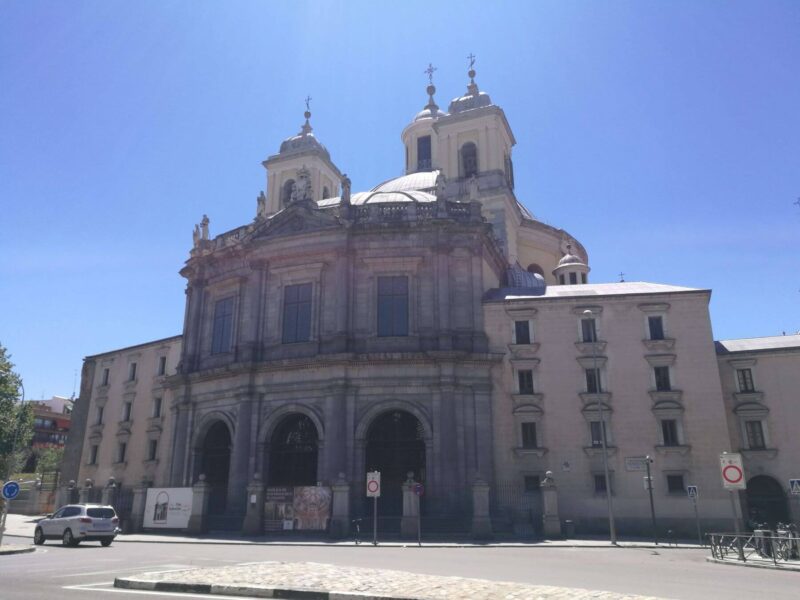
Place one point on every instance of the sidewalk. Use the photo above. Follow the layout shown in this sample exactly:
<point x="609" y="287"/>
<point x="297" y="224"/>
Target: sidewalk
<point x="23" y="525"/>
<point x="313" y="581"/>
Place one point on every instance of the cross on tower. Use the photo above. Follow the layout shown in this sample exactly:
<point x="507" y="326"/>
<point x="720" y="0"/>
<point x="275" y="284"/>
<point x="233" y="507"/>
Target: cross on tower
<point x="471" y="58"/>
<point x="430" y="71"/>
<point x="308" y="101"/>
<point x="621" y="277"/>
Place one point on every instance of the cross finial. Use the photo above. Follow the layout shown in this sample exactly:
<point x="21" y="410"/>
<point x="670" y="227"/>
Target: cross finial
<point x="471" y="58"/>
<point x="797" y="202"/>
<point x="430" y="71"/>
<point x="621" y="277"/>
<point x="308" y="103"/>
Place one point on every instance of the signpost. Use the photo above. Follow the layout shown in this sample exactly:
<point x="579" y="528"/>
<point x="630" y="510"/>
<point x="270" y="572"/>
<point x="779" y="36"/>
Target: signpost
<point x="419" y="490"/>
<point x="9" y="492"/>
<point x="648" y="485"/>
<point x="374" y="492"/>
<point x="693" y="494"/>
<point x="730" y="465"/>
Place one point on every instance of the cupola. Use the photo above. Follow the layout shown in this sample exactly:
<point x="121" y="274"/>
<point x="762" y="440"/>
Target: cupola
<point x="419" y="137"/>
<point x="571" y="269"/>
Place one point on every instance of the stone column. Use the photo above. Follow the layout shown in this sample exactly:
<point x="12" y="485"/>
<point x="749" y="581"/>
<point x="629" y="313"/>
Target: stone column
<point x="254" y="519"/>
<point x="83" y="493"/>
<point x="410" y="521"/>
<point x="340" y="511"/>
<point x="110" y="491"/>
<point x="481" y="519"/>
<point x="137" y="507"/>
<point x="200" y="495"/>
<point x="550" y="520"/>
<point x="240" y="457"/>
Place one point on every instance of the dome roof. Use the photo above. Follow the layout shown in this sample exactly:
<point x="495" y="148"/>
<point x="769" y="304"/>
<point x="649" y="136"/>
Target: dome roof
<point x="519" y="279"/>
<point x="431" y="110"/>
<point x="469" y="102"/>
<point x="570" y="259"/>
<point x="303" y="141"/>
<point x="423" y="180"/>
<point x="381" y="197"/>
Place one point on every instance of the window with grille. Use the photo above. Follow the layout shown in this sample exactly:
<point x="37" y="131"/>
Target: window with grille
<point x="588" y="330"/>
<point x="424" y="153"/>
<point x="675" y="484"/>
<point x="132" y="371"/>
<point x="529" y="439"/>
<point x="745" y="377"/>
<point x="469" y="159"/>
<point x="522" y="331"/>
<point x="597" y="432"/>
<point x="152" y="449"/>
<point x="222" y="333"/>
<point x="126" y="411"/>
<point x="162" y="365"/>
<point x="662" y="379"/>
<point x="669" y="432"/>
<point x="105" y="377"/>
<point x="297" y="313"/>
<point x="122" y="449"/>
<point x="593" y="383"/>
<point x="157" y="407"/>
<point x="755" y="435"/>
<point x="656" y="326"/>
<point x="600" y="484"/>
<point x="525" y="381"/>
<point x="393" y="306"/>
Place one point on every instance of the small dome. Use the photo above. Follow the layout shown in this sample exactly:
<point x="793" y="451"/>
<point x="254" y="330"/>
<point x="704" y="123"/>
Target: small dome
<point x="303" y="141"/>
<point x="570" y="259"/>
<point x="519" y="278"/>
<point x="469" y="102"/>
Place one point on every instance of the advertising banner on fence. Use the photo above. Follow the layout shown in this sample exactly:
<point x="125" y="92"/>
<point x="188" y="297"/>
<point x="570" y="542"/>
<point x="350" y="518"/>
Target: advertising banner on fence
<point x="305" y="508"/>
<point x="168" y="508"/>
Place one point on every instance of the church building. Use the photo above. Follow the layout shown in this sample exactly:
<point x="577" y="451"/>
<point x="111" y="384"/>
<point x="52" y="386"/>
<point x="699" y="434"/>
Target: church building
<point x="429" y="328"/>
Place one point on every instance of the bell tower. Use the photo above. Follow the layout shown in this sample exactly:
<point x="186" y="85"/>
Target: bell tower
<point x="302" y="166"/>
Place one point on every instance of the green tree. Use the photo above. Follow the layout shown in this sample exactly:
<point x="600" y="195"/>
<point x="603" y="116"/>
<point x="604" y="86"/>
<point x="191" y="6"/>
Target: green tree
<point x="16" y="419"/>
<point x="48" y="459"/>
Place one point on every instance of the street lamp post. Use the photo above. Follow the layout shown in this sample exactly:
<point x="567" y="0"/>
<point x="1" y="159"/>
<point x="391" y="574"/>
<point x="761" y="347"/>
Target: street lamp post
<point x="611" y="527"/>
<point x="11" y="465"/>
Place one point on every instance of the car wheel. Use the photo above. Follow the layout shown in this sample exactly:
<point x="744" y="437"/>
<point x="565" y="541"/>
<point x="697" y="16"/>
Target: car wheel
<point x="38" y="536"/>
<point x="68" y="539"/>
<point x="106" y="543"/>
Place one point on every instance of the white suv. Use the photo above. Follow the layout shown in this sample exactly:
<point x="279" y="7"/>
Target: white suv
<point x="75" y="523"/>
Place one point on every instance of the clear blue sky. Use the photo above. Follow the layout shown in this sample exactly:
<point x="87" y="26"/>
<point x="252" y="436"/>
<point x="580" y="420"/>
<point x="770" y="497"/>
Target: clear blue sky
<point x="663" y="135"/>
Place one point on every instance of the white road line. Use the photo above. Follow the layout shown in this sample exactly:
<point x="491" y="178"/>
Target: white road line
<point x="92" y="587"/>
<point x="158" y="569"/>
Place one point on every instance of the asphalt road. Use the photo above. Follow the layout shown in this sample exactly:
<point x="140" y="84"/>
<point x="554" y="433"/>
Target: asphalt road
<point x="88" y="571"/>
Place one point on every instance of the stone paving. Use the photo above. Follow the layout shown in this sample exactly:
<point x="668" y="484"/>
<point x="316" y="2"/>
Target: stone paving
<point x="263" y="578"/>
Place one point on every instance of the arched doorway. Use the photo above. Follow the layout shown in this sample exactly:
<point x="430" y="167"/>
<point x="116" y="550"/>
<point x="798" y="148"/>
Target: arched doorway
<point x="215" y="464"/>
<point x="293" y="452"/>
<point x="766" y="501"/>
<point x="395" y="446"/>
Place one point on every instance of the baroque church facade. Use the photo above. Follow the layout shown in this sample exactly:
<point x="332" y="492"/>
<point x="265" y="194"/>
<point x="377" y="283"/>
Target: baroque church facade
<point x="430" y="328"/>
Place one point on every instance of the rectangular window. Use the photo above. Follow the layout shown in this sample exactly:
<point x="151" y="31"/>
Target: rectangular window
<point x="675" y="484"/>
<point x="589" y="330"/>
<point x="656" y="326"/>
<point x="156" y="407"/>
<point x="423" y="152"/>
<point x="662" y="379"/>
<point x="755" y="435"/>
<point x="99" y="415"/>
<point x="93" y="454"/>
<point x="561" y="279"/>
<point x="222" y="333"/>
<point x="573" y="278"/>
<point x="669" y="431"/>
<point x="152" y="449"/>
<point x="132" y="371"/>
<point x="297" y="313"/>
<point x="529" y="436"/>
<point x="599" y="484"/>
<point x="583" y="277"/>
<point x="105" y="377"/>
<point x="393" y="306"/>
<point x="593" y="382"/>
<point x="532" y="483"/>
<point x="596" y="433"/>
<point x="162" y="365"/>
<point x="525" y="381"/>
<point x="745" y="377"/>
<point x="121" y="450"/>
<point x="126" y="411"/>
<point x="522" y="332"/>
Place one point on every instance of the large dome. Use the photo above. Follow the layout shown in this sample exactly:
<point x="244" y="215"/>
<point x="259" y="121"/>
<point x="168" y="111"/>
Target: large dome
<point x="423" y="180"/>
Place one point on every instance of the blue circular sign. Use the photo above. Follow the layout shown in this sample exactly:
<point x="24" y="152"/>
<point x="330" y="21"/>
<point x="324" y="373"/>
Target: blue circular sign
<point x="10" y="490"/>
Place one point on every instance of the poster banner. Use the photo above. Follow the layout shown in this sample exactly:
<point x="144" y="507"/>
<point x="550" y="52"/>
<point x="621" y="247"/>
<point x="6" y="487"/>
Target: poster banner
<point x="306" y="508"/>
<point x="167" y="508"/>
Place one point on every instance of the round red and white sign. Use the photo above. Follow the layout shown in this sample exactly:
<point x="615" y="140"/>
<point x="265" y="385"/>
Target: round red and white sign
<point x="373" y="486"/>
<point x="732" y="474"/>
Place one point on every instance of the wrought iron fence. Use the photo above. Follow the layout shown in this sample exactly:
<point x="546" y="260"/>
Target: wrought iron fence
<point x="779" y="545"/>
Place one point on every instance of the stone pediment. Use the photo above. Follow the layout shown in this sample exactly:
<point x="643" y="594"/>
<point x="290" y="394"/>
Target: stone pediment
<point x="297" y="219"/>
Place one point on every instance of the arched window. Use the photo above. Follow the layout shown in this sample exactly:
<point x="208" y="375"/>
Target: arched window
<point x="286" y="193"/>
<point x="293" y="452"/>
<point x="534" y="268"/>
<point x="469" y="159"/>
<point x="326" y="193"/>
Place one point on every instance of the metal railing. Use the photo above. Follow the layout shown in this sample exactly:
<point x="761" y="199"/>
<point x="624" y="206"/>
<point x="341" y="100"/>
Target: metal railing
<point x="780" y="545"/>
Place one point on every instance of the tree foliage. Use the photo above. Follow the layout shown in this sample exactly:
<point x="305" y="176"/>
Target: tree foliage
<point x="16" y="419"/>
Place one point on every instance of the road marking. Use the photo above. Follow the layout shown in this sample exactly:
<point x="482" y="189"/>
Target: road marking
<point x="92" y="587"/>
<point x="159" y="569"/>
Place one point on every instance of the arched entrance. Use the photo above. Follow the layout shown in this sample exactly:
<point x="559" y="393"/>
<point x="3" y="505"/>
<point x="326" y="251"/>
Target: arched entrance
<point x="395" y="446"/>
<point x="215" y="461"/>
<point x="293" y="452"/>
<point x="766" y="501"/>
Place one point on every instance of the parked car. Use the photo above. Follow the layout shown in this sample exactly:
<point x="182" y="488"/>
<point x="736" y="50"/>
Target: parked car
<point x="76" y="523"/>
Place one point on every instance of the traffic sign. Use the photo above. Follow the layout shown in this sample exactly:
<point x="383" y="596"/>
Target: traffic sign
<point x="419" y="489"/>
<point x="732" y="471"/>
<point x="794" y="486"/>
<point x="648" y="483"/>
<point x="10" y="490"/>
<point x="691" y="491"/>
<point x="374" y="484"/>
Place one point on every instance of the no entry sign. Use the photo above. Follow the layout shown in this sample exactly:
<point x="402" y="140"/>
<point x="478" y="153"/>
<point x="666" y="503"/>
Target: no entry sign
<point x="374" y="484"/>
<point x="732" y="471"/>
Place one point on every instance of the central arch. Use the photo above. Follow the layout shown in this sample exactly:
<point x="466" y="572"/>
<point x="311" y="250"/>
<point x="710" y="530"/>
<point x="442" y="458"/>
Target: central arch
<point x="766" y="501"/>
<point x="215" y="460"/>
<point x="293" y="452"/>
<point x="395" y="446"/>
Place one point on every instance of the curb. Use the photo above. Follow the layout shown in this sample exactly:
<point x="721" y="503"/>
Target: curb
<point x="17" y="550"/>
<point x="250" y="591"/>
<point x="752" y="565"/>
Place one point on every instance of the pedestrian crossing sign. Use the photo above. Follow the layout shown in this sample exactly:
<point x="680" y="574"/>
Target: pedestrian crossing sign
<point x="794" y="486"/>
<point x="691" y="491"/>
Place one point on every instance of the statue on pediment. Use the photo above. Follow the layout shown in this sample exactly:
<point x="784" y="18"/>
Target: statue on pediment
<point x="196" y="236"/>
<point x="261" y="211"/>
<point x="472" y="187"/>
<point x="204" y="227"/>
<point x="302" y="188"/>
<point x="441" y="185"/>
<point x="345" y="190"/>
